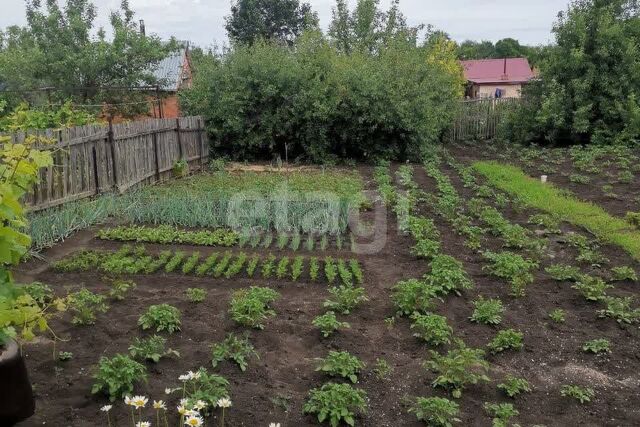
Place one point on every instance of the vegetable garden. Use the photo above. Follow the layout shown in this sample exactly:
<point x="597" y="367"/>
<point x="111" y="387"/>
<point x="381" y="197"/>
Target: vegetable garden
<point x="482" y="306"/>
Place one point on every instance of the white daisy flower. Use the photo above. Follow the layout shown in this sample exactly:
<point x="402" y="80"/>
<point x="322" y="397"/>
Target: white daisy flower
<point x="200" y="405"/>
<point x="274" y="424"/>
<point x="159" y="404"/>
<point x="225" y="402"/>
<point x="143" y="424"/>
<point x="193" y="421"/>
<point x="139" y="401"/>
<point x="106" y="408"/>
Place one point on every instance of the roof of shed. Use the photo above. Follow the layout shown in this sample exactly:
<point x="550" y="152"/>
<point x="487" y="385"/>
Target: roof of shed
<point x="505" y="70"/>
<point x="169" y="70"/>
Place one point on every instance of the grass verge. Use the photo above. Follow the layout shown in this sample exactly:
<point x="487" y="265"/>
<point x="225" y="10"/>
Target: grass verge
<point x="555" y="201"/>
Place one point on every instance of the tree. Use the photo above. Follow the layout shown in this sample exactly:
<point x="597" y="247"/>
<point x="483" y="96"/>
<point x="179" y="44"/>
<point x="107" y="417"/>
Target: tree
<point x="340" y="28"/>
<point x="589" y="90"/>
<point x="281" y="20"/>
<point x="60" y="47"/>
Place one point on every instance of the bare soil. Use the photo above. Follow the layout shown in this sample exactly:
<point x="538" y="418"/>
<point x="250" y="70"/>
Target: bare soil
<point x="275" y="386"/>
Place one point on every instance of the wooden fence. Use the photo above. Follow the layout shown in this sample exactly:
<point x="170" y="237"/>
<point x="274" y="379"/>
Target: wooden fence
<point x="479" y="119"/>
<point x="90" y="160"/>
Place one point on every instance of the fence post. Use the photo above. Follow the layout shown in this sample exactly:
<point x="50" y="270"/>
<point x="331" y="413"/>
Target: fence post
<point x="200" y="131"/>
<point x="95" y="168"/>
<point x="154" y="138"/>
<point x="112" y="144"/>
<point x="180" y="150"/>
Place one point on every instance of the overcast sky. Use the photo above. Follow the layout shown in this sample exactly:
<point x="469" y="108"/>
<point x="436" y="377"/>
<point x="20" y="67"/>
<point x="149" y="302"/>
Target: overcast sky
<point x="202" y="21"/>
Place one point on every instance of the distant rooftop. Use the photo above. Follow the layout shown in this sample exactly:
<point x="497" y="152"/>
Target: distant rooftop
<point x="506" y="70"/>
<point x="169" y="70"/>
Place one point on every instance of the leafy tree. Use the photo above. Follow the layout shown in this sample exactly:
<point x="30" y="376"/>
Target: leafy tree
<point x="470" y="49"/>
<point x="281" y="20"/>
<point x="61" y="48"/>
<point x="589" y="90"/>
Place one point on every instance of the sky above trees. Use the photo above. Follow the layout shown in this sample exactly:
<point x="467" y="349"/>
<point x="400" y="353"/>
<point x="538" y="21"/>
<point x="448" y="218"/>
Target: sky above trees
<point x="202" y="21"/>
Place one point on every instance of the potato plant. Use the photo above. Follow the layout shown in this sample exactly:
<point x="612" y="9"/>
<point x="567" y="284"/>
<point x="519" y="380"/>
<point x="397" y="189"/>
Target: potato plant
<point x="151" y="349"/>
<point x="487" y="311"/>
<point x="336" y="403"/>
<point x="344" y="299"/>
<point x="163" y="317"/>
<point x="84" y="305"/>
<point x="117" y="376"/>
<point x="460" y="367"/>
<point x="507" y="339"/>
<point x="251" y="307"/>
<point x="513" y="386"/>
<point x="341" y="364"/>
<point x="234" y="348"/>
<point x="431" y="328"/>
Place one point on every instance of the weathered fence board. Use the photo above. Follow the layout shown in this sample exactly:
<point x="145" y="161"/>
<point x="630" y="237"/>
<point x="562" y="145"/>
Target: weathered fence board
<point x="479" y="119"/>
<point x="89" y="160"/>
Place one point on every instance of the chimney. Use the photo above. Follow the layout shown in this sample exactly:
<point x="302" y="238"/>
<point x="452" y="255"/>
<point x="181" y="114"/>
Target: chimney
<point x="504" y="74"/>
<point x="143" y="30"/>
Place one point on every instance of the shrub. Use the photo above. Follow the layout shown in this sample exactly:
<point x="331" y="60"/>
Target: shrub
<point x="84" y="304"/>
<point x="163" y="317"/>
<point x="404" y="97"/>
<point x="345" y="299"/>
<point x="336" y="403"/>
<point x="436" y="411"/>
<point x="196" y="295"/>
<point x="432" y="328"/>
<point x="487" y="311"/>
<point x="233" y="348"/>
<point x="413" y="296"/>
<point x="513" y="386"/>
<point x="117" y="376"/>
<point x="581" y="394"/>
<point x="328" y="323"/>
<point x="152" y="348"/>
<point x="506" y="340"/>
<point x="458" y="368"/>
<point x="597" y="346"/>
<point x="250" y="307"/>
<point x="341" y="364"/>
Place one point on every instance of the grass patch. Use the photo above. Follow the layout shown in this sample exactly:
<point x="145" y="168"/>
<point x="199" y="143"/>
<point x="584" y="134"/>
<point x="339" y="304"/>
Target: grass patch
<point x="555" y="201"/>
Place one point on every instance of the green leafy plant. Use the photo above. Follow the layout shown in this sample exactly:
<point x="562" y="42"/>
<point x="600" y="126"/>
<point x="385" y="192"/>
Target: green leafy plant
<point x="117" y="376"/>
<point x="356" y="270"/>
<point x="175" y="261"/>
<point x="561" y="272"/>
<point x="620" y="310"/>
<point x="513" y="386"/>
<point x="221" y="267"/>
<point x="336" y="403"/>
<point x="208" y="388"/>
<point x="250" y="307"/>
<point x="196" y="295"/>
<point x="581" y="394"/>
<point x="344" y="299"/>
<point x="120" y="288"/>
<point x="330" y="270"/>
<point x="550" y="223"/>
<point x="163" y="317"/>
<point x="84" y="305"/>
<point x="341" y="364"/>
<point x="233" y="348"/>
<point x="328" y="324"/>
<point x="501" y="413"/>
<point x="346" y="277"/>
<point x="314" y="269"/>
<point x="557" y="315"/>
<point x="65" y="356"/>
<point x="487" y="311"/>
<point x="42" y="294"/>
<point x="190" y="263"/>
<point x="235" y="267"/>
<point x="296" y="240"/>
<point x="297" y="267"/>
<point x="268" y="266"/>
<point x="591" y="288"/>
<point x="283" y="268"/>
<point x="431" y="328"/>
<point x="579" y="179"/>
<point x="207" y="265"/>
<point x="151" y="348"/>
<point x="282" y="240"/>
<point x="507" y="339"/>
<point x="413" y="296"/>
<point x="436" y="411"/>
<point x="252" y="265"/>
<point x="620" y="274"/>
<point x="513" y="267"/>
<point x="382" y="369"/>
<point x="597" y="346"/>
<point x="448" y="275"/>
<point x="460" y="367"/>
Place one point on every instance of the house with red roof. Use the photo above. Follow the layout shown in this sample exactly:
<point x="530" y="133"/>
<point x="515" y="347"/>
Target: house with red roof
<point x="496" y="78"/>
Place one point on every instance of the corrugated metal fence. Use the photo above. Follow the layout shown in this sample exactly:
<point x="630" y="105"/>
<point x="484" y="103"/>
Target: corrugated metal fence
<point x="479" y="119"/>
<point x="93" y="159"/>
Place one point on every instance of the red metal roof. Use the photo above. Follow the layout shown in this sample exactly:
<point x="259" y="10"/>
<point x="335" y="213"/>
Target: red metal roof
<point x="507" y="70"/>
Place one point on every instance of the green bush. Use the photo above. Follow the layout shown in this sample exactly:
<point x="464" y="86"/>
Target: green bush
<point x="341" y="364"/>
<point x="322" y="104"/>
<point x="436" y="411"/>
<point x="163" y="317"/>
<point x="335" y="403"/>
<point x="117" y="376"/>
